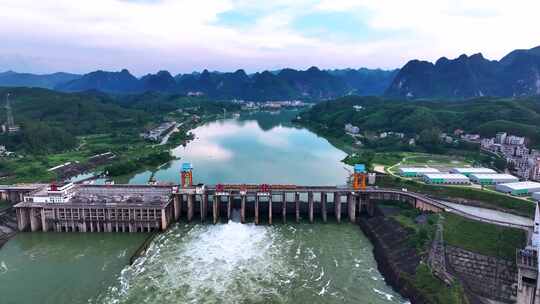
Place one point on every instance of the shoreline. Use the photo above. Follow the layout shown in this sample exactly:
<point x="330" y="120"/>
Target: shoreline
<point x="8" y="222"/>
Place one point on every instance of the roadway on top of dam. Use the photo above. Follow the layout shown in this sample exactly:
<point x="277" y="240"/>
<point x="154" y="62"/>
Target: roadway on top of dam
<point x="471" y="212"/>
<point x="491" y="216"/>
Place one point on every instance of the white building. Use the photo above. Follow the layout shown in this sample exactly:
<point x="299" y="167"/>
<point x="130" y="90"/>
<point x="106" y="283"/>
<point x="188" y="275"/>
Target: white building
<point x="416" y="172"/>
<point x="472" y="137"/>
<point x="534" y="173"/>
<point x="352" y="129"/>
<point x="486" y="143"/>
<point x="446" y="178"/>
<point x="493" y="179"/>
<point x="515" y="140"/>
<point x="471" y="170"/>
<point x="500" y="138"/>
<point x="52" y="194"/>
<point x="519" y="188"/>
<point x="521" y="151"/>
<point x="358" y="108"/>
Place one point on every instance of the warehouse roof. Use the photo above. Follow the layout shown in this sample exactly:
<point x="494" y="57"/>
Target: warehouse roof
<point x="474" y="170"/>
<point x="445" y="176"/>
<point x="419" y="169"/>
<point x="493" y="176"/>
<point x="521" y="185"/>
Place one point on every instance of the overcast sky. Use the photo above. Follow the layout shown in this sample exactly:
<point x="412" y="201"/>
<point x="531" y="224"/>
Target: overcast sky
<point x="182" y="36"/>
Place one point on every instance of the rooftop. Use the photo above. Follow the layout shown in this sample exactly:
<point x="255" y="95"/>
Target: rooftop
<point x="445" y="176"/>
<point x="419" y="169"/>
<point x="114" y="195"/>
<point x="493" y="176"/>
<point x="474" y="170"/>
<point x="522" y="185"/>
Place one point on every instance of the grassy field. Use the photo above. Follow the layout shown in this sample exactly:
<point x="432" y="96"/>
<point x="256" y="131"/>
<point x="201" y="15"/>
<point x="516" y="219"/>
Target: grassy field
<point x="483" y="238"/>
<point x="442" y="162"/>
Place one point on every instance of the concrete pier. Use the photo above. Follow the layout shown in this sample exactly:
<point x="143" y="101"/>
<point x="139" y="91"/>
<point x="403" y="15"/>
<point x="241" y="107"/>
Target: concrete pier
<point x="284" y="207"/>
<point x="297" y="206"/>
<point x="351" y="202"/>
<point x="256" y="210"/>
<point x="177" y="202"/>
<point x="310" y="206"/>
<point x="45" y="226"/>
<point x="190" y="202"/>
<point x="204" y="207"/>
<point x="270" y="209"/>
<point x="243" y="210"/>
<point x="323" y="207"/>
<point x="23" y="219"/>
<point x="35" y="220"/>
<point x="337" y="207"/>
<point x="215" y="208"/>
<point x="229" y="207"/>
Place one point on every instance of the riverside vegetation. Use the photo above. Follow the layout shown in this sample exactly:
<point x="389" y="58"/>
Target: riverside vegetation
<point x="59" y="127"/>
<point x="425" y="121"/>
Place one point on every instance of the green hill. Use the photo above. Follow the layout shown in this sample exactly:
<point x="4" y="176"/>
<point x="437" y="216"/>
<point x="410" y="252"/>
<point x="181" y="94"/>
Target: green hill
<point x="482" y="115"/>
<point x="50" y="121"/>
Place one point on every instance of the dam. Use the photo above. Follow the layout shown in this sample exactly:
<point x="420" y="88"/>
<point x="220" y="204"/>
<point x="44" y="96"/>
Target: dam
<point x="145" y="208"/>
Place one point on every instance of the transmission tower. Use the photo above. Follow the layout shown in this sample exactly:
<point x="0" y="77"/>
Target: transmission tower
<point x="11" y="127"/>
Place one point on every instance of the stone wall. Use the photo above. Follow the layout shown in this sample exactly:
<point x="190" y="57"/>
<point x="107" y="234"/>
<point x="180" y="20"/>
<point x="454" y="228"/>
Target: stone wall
<point x="485" y="276"/>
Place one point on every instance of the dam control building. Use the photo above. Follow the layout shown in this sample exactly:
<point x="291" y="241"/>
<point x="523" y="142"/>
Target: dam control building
<point x="96" y="208"/>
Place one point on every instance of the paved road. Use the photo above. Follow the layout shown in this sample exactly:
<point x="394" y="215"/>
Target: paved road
<point x="490" y="215"/>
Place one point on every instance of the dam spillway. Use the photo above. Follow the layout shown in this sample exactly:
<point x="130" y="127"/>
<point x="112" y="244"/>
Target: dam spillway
<point x="145" y="208"/>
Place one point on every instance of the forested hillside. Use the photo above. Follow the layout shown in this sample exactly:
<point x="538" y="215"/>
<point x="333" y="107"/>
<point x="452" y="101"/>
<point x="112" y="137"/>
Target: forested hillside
<point x="483" y="115"/>
<point x="50" y="120"/>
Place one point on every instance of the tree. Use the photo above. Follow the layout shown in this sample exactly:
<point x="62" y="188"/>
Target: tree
<point x="430" y="139"/>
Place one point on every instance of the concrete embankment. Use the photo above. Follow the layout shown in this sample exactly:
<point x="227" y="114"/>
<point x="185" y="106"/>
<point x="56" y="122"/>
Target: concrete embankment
<point x="143" y="248"/>
<point x="396" y="259"/>
<point x="8" y="225"/>
<point x="485" y="279"/>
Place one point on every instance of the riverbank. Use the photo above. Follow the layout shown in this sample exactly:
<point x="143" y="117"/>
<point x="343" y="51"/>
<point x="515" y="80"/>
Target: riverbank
<point x="404" y="267"/>
<point x="402" y="238"/>
<point x="8" y="225"/>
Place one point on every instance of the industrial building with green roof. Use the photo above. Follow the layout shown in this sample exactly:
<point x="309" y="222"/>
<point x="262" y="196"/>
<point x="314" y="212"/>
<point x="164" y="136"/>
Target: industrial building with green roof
<point x="416" y="172"/>
<point x="472" y="170"/>
<point x="519" y="188"/>
<point x="446" y="178"/>
<point x="493" y="179"/>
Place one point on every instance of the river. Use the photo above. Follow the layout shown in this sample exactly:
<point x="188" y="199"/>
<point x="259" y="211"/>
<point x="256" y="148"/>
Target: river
<point x="224" y="263"/>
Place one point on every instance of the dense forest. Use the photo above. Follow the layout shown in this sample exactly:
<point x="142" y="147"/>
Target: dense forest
<point x="485" y="116"/>
<point x="51" y="121"/>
